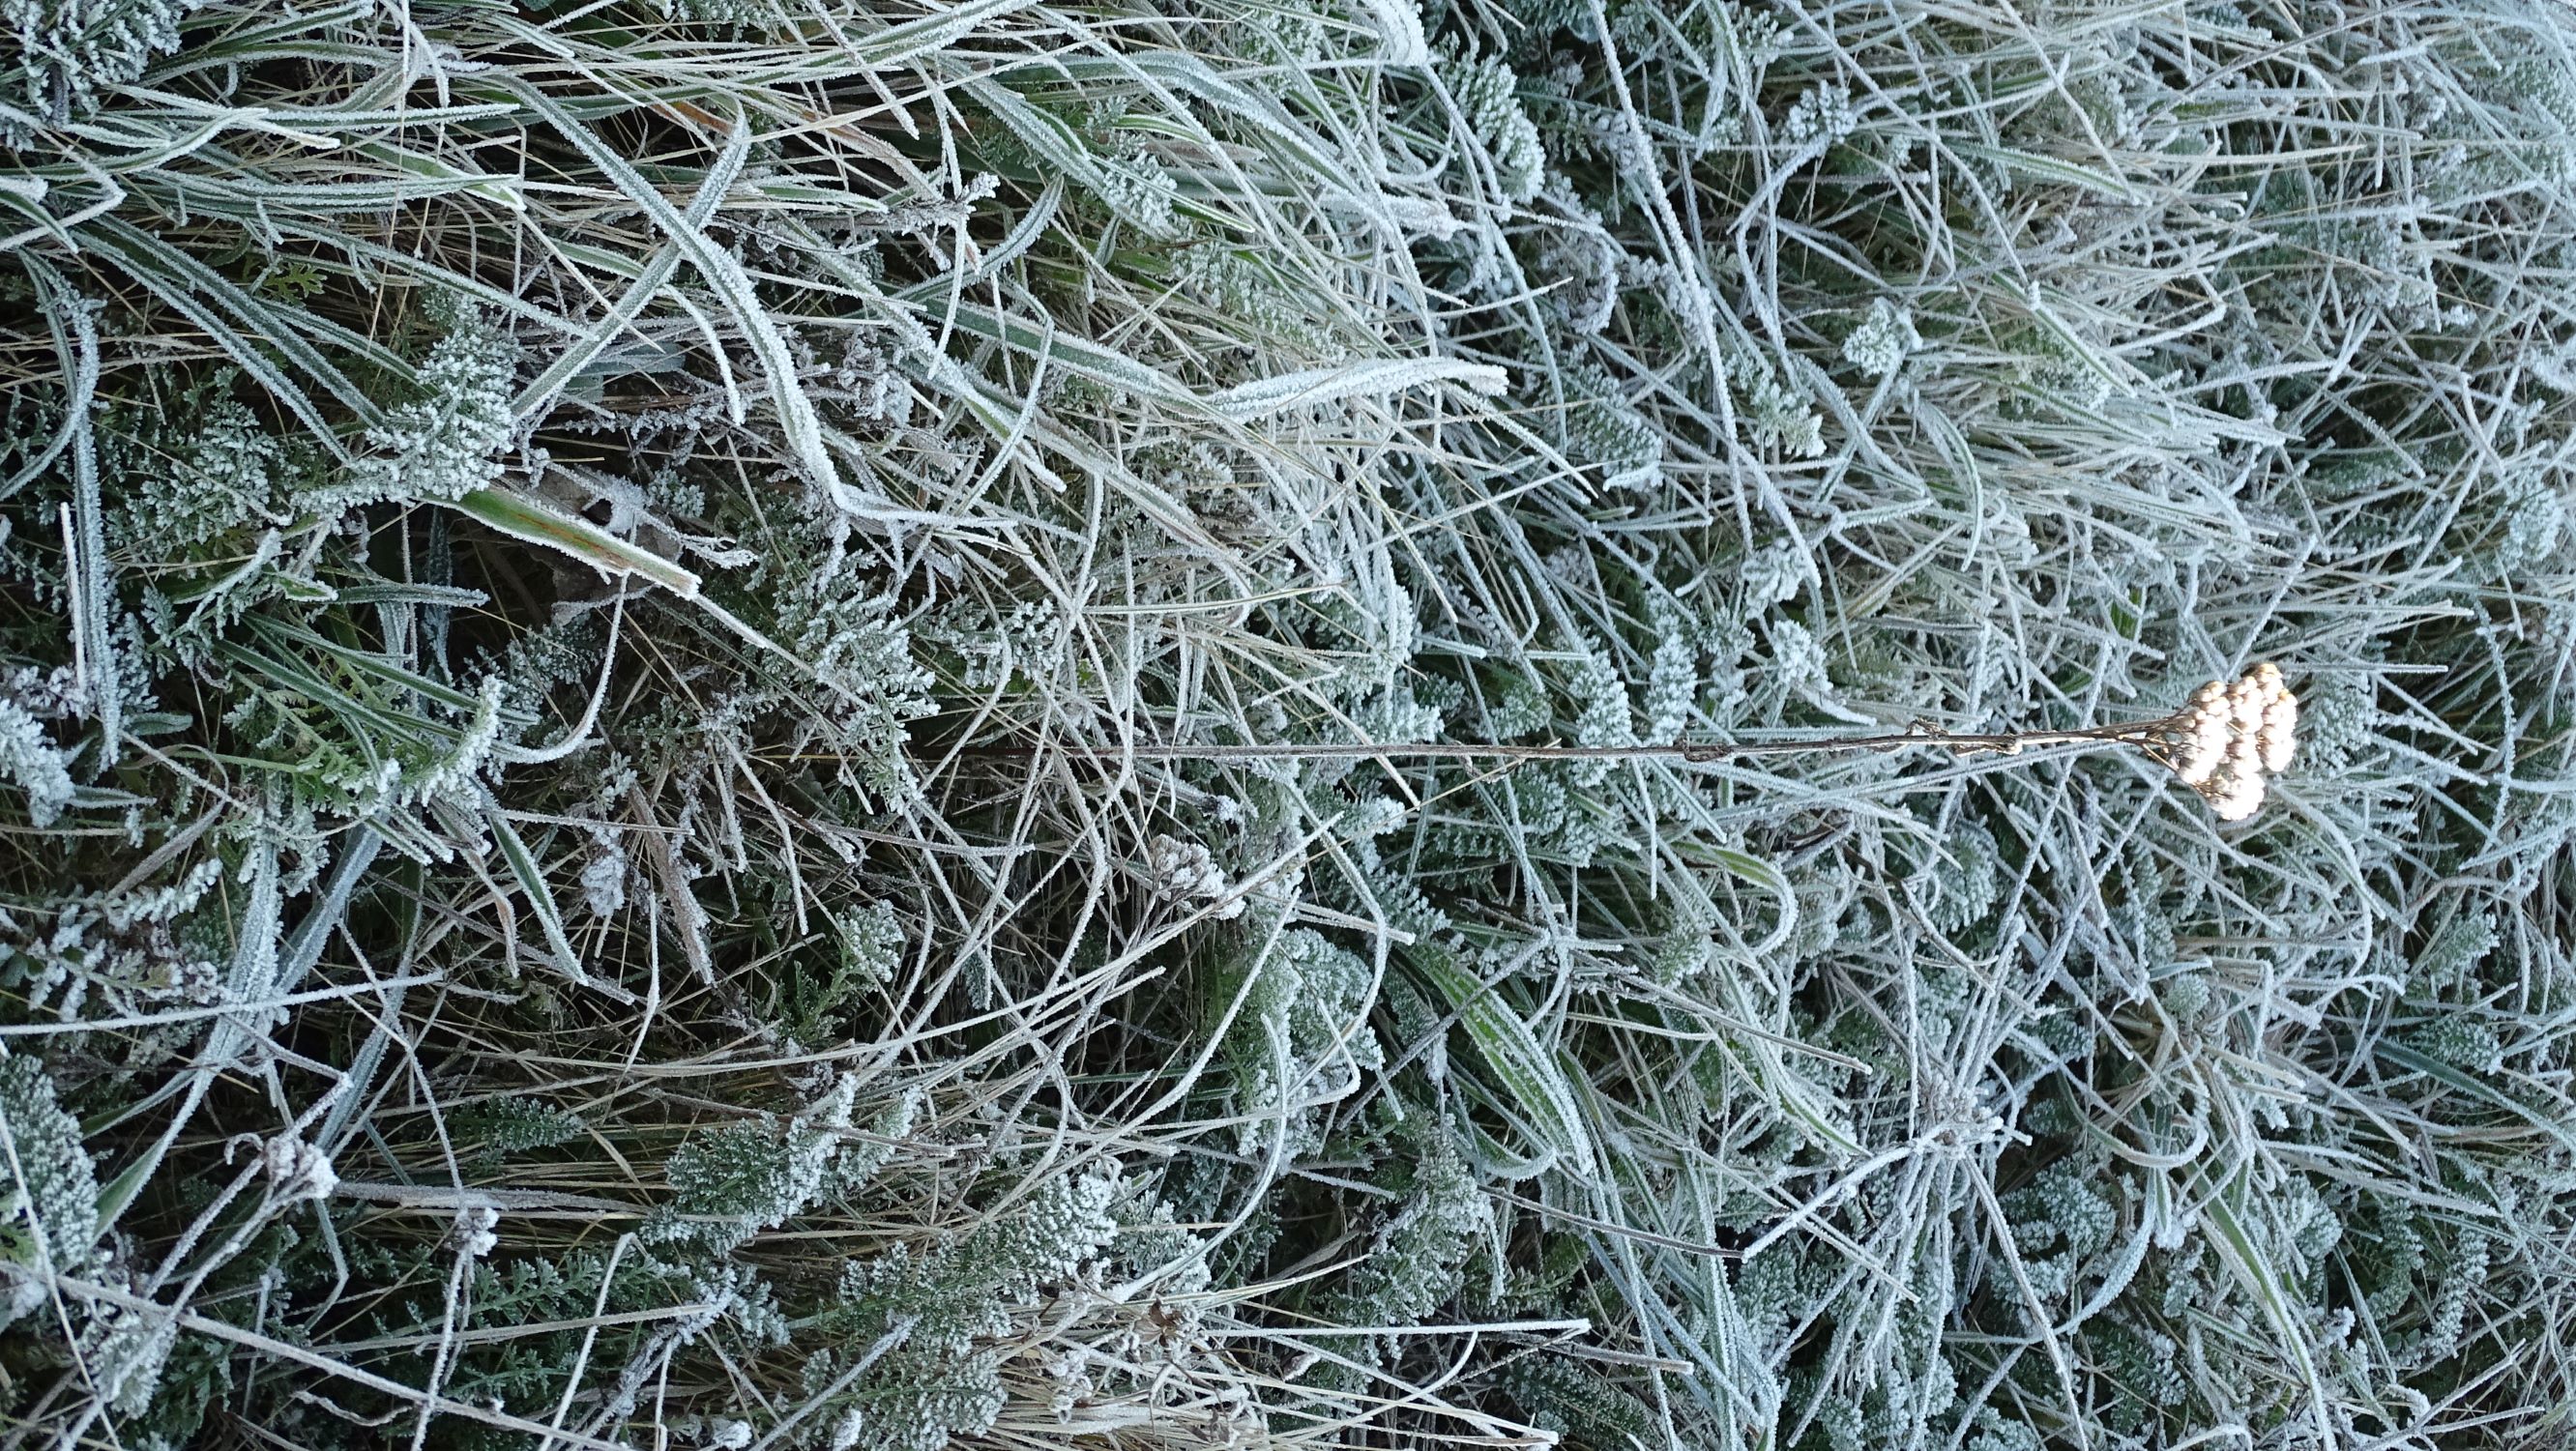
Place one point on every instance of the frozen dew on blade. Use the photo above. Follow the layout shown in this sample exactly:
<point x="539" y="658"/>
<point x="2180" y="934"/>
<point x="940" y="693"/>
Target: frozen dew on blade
<point x="2232" y="738"/>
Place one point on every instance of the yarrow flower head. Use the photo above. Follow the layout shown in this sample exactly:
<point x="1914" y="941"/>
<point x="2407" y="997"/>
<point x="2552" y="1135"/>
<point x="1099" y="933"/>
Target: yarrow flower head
<point x="1184" y="871"/>
<point x="298" y="1170"/>
<point x="2234" y="736"/>
<point x="476" y="1232"/>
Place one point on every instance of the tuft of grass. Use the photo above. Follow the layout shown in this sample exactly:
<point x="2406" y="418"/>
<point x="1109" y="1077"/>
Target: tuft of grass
<point x="738" y="725"/>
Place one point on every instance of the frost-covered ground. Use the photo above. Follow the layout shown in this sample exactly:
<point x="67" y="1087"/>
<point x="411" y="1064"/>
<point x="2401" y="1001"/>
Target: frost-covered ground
<point x="626" y="625"/>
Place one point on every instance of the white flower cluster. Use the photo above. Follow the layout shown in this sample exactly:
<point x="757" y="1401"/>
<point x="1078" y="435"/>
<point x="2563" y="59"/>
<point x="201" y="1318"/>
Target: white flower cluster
<point x="2233" y="736"/>
<point x="1821" y="117"/>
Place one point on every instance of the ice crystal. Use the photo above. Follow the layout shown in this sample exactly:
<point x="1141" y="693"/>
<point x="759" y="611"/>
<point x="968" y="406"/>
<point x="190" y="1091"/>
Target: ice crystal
<point x="716" y="1433"/>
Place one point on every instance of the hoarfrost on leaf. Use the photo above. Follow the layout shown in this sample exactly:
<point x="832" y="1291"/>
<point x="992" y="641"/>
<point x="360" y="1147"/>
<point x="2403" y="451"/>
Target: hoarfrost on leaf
<point x="1883" y="341"/>
<point x="48" y="1187"/>
<point x="445" y="442"/>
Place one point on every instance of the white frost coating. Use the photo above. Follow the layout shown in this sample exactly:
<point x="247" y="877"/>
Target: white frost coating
<point x="1401" y="27"/>
<point x="1375" y="379"/>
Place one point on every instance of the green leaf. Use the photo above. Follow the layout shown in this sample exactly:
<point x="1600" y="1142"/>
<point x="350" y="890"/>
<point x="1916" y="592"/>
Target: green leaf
<point x="524" y="518"/>
<point x="531" y="878"/>
<point x="1527" y="1070"/>
<point x="2224" y="1214"/>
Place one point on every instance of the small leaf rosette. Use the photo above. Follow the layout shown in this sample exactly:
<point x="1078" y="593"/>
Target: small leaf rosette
<point x="2232" y="738"/>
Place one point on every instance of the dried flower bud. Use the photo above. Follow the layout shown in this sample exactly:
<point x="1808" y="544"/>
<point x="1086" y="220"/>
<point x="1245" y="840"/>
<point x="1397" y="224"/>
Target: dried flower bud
<point x="2280" y="732"/>
<point x="2242" y="795"/>
<point x="297" y="1170"/>
<point x="476" y="1231"/>
<point x="2203" y="734"/>
<point x="1184" y="871"/>
<point x="2231" y="737"/>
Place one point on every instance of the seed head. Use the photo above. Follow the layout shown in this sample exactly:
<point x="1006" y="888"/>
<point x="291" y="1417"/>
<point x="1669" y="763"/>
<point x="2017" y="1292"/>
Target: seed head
<point x="476" y="1231"/>
<point x="2231" y="738"/>
<point x="1184" y="871"/>
<point x="297" y="1170"/>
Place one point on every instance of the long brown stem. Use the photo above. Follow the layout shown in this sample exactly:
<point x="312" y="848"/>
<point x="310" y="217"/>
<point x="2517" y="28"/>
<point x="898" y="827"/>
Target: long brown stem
<point x="2007" y="743"/>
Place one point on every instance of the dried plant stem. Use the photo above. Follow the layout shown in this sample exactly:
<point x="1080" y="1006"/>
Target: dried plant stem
<point x="2001" y="743"/>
